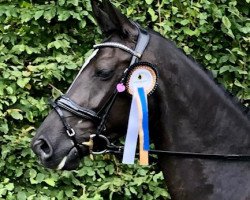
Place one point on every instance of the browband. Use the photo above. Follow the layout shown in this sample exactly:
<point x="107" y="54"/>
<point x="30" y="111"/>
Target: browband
<point x="117" y="45"/>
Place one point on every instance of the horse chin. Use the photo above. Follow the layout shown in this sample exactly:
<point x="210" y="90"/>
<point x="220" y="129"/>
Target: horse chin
<point x="71" y="161"/>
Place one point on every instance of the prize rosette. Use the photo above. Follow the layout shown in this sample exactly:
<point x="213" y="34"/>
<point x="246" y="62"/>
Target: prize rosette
<point x="141" y="81"/>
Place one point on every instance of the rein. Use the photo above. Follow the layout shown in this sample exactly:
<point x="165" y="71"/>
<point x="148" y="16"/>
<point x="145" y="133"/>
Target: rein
<point x="111" y="148"/>
<point x="99" y="118"/>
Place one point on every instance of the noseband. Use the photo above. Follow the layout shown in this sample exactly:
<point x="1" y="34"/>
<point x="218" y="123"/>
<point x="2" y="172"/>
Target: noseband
<point x="99" y="118"/>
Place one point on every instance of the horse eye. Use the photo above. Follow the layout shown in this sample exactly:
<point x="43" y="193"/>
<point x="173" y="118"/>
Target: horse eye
<point x="104" y="74"/>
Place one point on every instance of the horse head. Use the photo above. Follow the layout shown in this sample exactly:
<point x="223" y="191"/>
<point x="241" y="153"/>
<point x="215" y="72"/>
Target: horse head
<point x="61" y="140"/>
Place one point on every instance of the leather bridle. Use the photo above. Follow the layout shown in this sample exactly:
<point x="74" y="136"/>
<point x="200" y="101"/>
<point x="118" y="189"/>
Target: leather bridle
<point x="100" y="118"/>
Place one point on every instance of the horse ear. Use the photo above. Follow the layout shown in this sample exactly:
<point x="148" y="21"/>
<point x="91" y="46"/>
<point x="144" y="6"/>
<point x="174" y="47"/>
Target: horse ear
<point x="110" y="19"/>
<point x="102" y="19"/>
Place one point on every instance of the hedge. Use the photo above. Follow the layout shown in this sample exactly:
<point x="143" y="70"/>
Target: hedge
<point x="42" y="46"/>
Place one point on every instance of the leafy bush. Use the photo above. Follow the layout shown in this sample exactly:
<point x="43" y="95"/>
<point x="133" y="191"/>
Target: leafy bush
<point x="44" y="43"/>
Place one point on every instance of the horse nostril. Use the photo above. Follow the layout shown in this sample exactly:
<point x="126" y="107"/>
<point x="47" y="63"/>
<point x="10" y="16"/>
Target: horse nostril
<point x="43" y="149"/>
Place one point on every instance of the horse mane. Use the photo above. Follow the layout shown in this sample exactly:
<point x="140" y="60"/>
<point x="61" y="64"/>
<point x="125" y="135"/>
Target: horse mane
<point x="235" y="100"/>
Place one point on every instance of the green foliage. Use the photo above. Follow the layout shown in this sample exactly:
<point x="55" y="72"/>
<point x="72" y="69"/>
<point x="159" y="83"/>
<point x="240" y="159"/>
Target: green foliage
<point x="42" y="45"/>
<point x="216" y="33"/>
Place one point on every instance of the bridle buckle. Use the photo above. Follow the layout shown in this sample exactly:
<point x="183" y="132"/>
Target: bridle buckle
<point x="71" y="132"/>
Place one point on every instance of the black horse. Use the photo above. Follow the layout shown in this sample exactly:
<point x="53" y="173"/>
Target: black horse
<point x="188" y="112"/>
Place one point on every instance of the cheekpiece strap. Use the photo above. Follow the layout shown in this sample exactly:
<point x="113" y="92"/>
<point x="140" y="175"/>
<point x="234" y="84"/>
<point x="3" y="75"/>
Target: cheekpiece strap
<point x="70" y="131"/>
<point x="142" y="43"/>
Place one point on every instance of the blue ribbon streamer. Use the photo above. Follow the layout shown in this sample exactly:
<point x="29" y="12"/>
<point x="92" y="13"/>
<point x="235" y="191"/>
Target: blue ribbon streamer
<point x="133" y="126"/>
<point x="144" y="104"/>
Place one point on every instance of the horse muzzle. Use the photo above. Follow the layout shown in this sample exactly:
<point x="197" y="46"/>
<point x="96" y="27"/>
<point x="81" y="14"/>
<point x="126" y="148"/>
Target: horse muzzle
<point x="66" y="158"/>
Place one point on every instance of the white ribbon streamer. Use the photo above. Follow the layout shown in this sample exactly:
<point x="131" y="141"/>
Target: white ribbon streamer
<point x="132" y="132"/>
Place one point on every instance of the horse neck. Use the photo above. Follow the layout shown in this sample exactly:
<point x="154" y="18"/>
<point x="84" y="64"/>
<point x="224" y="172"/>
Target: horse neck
<point x="195" y="114"/>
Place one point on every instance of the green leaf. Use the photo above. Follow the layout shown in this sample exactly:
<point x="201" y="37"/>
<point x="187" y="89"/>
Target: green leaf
<point x="224" y="69"/>
<point x="152" y="14"/>
<point x="242" y="71"/>
<point x="174" y="10"/>
<point x="49" y="14"/>
<point x="26" y="16"/>
<point x="9" y="186"/>
<point x="158" y="177"/>
<point x="71" y="66"/>
<point x="60" y="195"/>
<point x="184" y="22"/>
<point x="149" y="1"/>
<point x="4" y="128"/>
<point x="190" y="32"/>
<point x="132" y="190"/>
<point x="224" y="59"/>
<point x="61" y="2"/>
<point x="19" y="172"/>
<point x="73" y="2"/>
<point x="32" y="173"/>
<point x="63" y="15"/>
<point x="50" y="181"/>
<point x="2" y="87"/>
<point x="15" y="113"/>
<point x="22" y="82"/>
<point x="237" y="83"/>
<point x="230" y="33"/>
<point x="127" y="192"/>
<point x="208" y="56"/>
<point x="104" y="186"/>
<point x="21" y="195"/>
<point x="69" y="193"/>
<point x="38" y="14"/>
<point x="226" y="22"/>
